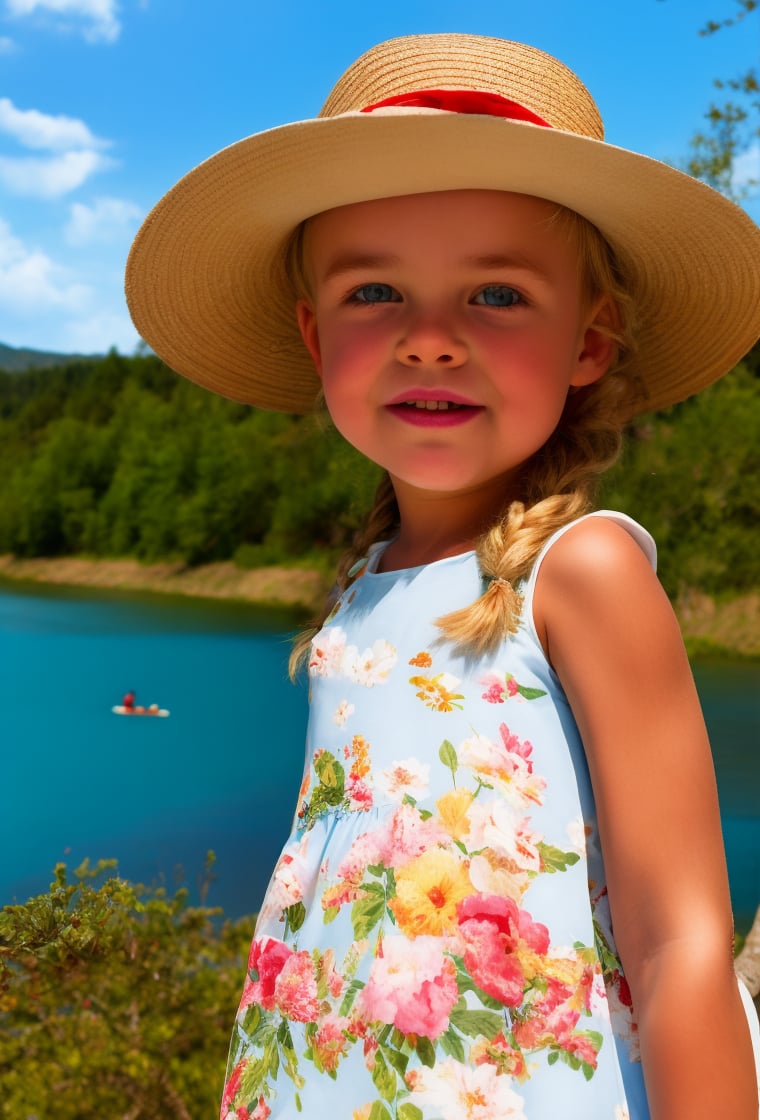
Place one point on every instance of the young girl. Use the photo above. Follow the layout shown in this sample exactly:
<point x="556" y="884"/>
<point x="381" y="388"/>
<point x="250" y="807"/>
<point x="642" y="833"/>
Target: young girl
<point x="504" y="896"/>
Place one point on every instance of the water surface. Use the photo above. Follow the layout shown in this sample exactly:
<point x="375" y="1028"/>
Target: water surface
<point x="223" y="771"/>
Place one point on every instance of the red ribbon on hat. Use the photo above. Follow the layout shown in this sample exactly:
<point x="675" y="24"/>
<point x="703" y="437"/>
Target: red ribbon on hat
<point x="462" y="101"/>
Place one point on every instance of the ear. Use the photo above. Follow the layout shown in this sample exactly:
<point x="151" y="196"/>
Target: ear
<point x="598" y="350"/>
<point x="307" y="325"/>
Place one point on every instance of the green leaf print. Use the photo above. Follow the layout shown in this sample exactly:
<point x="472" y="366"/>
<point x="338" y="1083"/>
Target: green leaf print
<point x="295" y="916"/>
<point x="396" y="1059"/>
<point x="351" y="992"/>
<point x="383" y="1077"/>
<point x="554" y="859"/>
<point x="378" y="1111"/>
<point x="367" y="912"/>
<point x="530" y="693"/>
<point x="330" y="772"/>
<point x="409" y="1112"/>
<point x="425" y="1051"/>
<point x="465" y="983"/>
<point x="609" y="960"/>
<point x="477" y="1023"/>
<point x="448" y="757"/>
<point x="451" y="1044"/>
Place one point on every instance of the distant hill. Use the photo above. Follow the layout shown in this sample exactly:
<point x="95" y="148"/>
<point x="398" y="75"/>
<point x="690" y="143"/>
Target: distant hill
<point x="17" y="360"/>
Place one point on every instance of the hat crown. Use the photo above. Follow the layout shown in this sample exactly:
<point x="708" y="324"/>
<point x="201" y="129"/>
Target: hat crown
<point x="517" y="72"/>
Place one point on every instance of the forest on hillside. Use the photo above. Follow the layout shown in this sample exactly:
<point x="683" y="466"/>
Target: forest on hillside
<point x="120" y="457"/>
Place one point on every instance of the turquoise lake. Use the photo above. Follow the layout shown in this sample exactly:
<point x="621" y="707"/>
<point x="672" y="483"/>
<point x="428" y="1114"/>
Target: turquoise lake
<point x="223" y="771"/>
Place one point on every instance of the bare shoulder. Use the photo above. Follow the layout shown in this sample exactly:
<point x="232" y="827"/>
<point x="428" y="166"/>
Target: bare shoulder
<point x="597" y="579"/>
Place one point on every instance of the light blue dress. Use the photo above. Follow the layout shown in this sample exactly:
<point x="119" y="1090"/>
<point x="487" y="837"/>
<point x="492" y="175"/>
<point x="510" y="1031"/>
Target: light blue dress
<point x="435" y="942"/>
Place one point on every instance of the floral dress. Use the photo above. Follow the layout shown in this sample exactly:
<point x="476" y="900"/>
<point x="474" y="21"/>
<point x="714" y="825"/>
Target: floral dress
<point x="435" y="941"/>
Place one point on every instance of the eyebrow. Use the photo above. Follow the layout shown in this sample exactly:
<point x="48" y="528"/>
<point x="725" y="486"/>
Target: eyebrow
<point x="358" y="262"/>
<point x="496" y="261"/>
<point x="367" y="262"/>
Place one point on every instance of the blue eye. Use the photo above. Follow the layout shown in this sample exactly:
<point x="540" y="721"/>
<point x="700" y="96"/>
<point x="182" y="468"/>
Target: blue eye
<point x="498" y="295"/>
<point x="375" y="293"/>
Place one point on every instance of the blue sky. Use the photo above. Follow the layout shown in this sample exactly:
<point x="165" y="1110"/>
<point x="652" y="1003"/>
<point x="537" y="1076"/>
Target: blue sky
<point x="105" y="104"/>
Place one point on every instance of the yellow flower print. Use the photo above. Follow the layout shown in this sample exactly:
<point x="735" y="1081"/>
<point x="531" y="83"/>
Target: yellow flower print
<point x="360" y="751"/>
<point x="362" y="1113"/>
<point x="422" y="660"/>
<point x="437" y="692"/>
<point x="452" y="810"/>
<point x="428" y="891"/>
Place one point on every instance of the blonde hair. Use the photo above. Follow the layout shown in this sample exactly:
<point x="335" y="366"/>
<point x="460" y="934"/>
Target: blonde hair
<point x="558" y="483"/>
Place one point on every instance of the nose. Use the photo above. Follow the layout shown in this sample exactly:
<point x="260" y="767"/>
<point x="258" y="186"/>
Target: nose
<point x="430" y="341"/>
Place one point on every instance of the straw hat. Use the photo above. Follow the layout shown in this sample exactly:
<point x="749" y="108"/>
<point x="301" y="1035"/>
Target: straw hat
<point x="206" y="282"/>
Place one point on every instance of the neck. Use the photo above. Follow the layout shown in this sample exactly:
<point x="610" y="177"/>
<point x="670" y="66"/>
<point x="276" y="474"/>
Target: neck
<point x="436" y="525"/>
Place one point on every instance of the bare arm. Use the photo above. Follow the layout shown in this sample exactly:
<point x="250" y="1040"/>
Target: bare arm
<point x="612" y="638"/>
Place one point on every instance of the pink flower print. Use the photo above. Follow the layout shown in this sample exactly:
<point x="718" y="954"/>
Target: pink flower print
<point x="265" y="962"/>
<point x="231" y="1088"/>
<point x="406" y="835"/>
<point x="454" y="1091"/>
<point x="405" y="777"/>
<point x="411" y="985"/>
<point x="292" y="880"/>
<point x="329" y="972"/>
<point x="295" y="989"/>
<point x="500" y="1053"/>
<point x="506" y="764"/>
<point x="621" y="1012"/>
<point x="499" y="688"/>
<point x="340" y="894"/>
<point x="514" y="746"/>
<point x="552" y="1020"/>
<point x="262" y="1111"/>
<point x="330" y="1042"/>
<point x="327" y="652"/>
<point x="367" y="848"/>
<point x="499" y="939"/>
<point x="359" y="794"/>
<point x="496" y="826"/>
<point x="494" y="692"/>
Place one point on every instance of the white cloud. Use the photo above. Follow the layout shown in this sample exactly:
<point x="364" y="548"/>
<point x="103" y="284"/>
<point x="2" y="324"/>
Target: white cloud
<point x="106" y="221"/>
<point x="97" y="333"/>
<point x="49" y="177"/>
<point x="746" y="171"/>
<point x="41" y="131"/>
<point x="32" y="284"/>
<point x="97" y="19"/>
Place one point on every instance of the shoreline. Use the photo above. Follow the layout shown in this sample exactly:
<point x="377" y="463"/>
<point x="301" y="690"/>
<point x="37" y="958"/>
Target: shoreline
<point x="710" y="627"/>
<point x="299" y="589"/>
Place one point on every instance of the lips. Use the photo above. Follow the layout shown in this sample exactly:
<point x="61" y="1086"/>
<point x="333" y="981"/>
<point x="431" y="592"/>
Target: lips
<point x="433" y="408"/>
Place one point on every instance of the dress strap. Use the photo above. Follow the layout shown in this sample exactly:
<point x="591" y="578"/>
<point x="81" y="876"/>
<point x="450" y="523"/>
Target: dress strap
<point x="643" y="539"/>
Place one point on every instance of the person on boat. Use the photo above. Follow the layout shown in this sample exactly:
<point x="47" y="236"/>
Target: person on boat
<point x="129" y="700"/>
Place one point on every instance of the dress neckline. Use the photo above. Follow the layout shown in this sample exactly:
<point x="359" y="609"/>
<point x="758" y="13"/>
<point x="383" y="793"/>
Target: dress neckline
<point x="368" y="565"/>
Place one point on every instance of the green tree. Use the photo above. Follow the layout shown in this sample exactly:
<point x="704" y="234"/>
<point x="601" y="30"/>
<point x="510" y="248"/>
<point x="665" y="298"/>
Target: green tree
<point x="733" y="121"/>
<point x="115" y="1000"/>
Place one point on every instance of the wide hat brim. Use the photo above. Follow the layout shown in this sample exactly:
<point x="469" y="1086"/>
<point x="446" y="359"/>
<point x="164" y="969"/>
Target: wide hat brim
<point x="208" y="290"/>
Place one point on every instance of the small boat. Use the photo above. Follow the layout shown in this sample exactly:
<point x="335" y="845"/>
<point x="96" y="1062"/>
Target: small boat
<point x="139" y="710"/>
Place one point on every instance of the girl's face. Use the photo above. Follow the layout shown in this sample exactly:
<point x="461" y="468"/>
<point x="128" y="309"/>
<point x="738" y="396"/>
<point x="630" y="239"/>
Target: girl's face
<point x="447" y="329"/>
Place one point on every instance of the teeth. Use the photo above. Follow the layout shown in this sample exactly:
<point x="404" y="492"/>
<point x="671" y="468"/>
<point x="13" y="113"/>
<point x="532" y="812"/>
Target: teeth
<point x="432" y="406"/>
